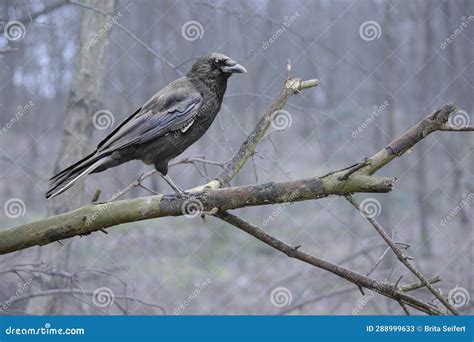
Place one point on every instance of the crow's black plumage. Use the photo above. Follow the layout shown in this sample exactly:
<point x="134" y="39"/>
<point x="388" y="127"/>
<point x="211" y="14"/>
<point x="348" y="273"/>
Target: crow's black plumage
<point x="171" y="121"/>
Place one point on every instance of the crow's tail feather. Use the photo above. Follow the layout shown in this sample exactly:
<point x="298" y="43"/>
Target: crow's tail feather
<point x="87" y="159"/>
<point x="64" y="180"/>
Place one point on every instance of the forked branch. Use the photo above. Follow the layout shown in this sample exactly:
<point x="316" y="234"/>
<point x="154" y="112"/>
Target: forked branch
<point x="217" y="198"/>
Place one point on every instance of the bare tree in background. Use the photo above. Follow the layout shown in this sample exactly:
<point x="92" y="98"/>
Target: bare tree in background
<point x="84" y="99"/>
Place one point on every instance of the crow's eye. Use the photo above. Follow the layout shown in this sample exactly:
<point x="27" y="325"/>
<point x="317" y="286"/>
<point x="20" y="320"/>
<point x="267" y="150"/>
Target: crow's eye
<point x="217" y="62"/>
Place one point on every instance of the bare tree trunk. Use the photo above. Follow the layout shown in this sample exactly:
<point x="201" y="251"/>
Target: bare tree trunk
<point x="455" y="148"/>
<point x="421" y="172"/>
<point x="85" y="98"/>
<point x="387" y="74"/>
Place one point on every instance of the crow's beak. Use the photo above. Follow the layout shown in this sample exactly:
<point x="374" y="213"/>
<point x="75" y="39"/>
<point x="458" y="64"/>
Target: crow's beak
<point x="235" y="68"/>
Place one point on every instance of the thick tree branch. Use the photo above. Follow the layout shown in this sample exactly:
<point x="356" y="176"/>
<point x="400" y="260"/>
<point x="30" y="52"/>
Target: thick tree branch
<point x="93" y="217"/>
<point x="436" y="121"/>
<point x="431" y="123"/>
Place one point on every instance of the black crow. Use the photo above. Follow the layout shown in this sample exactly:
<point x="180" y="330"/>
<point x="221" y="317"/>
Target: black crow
<point x="171" y="121"/>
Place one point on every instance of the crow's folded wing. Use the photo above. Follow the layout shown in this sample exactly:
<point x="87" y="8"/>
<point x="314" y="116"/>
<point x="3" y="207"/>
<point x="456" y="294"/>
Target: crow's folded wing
<point x="168" y="111"/>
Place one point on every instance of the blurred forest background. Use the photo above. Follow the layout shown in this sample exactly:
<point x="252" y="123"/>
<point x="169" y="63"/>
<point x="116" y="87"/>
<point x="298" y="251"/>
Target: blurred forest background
<point x="383" y="65"/>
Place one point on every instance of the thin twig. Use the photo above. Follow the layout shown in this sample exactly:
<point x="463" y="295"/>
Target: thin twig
<point x="415" y="286"/>
<point x="67" y="291"/>
<point x="404" y="307"/>
<point x="385" y="289"/>
<point x="75" y="289"/>
<point x="401" y="257"/>
<point x="378" y="261"/>
<point x="457" y="129"/>
<point x="404" y="288"/>
<point x="96" y="195"/>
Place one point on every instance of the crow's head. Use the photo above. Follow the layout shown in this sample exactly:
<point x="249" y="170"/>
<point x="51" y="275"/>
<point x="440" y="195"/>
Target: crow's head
<point x="215" y="65"/>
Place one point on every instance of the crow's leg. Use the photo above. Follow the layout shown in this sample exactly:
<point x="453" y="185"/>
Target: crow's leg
<point x="162" y="167"/>
<point x="180" y="192"/>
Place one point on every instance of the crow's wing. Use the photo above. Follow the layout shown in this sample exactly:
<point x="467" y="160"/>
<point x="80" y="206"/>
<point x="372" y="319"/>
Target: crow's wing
<point x="167" y="111"/>
<point x="170" y="109"/>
